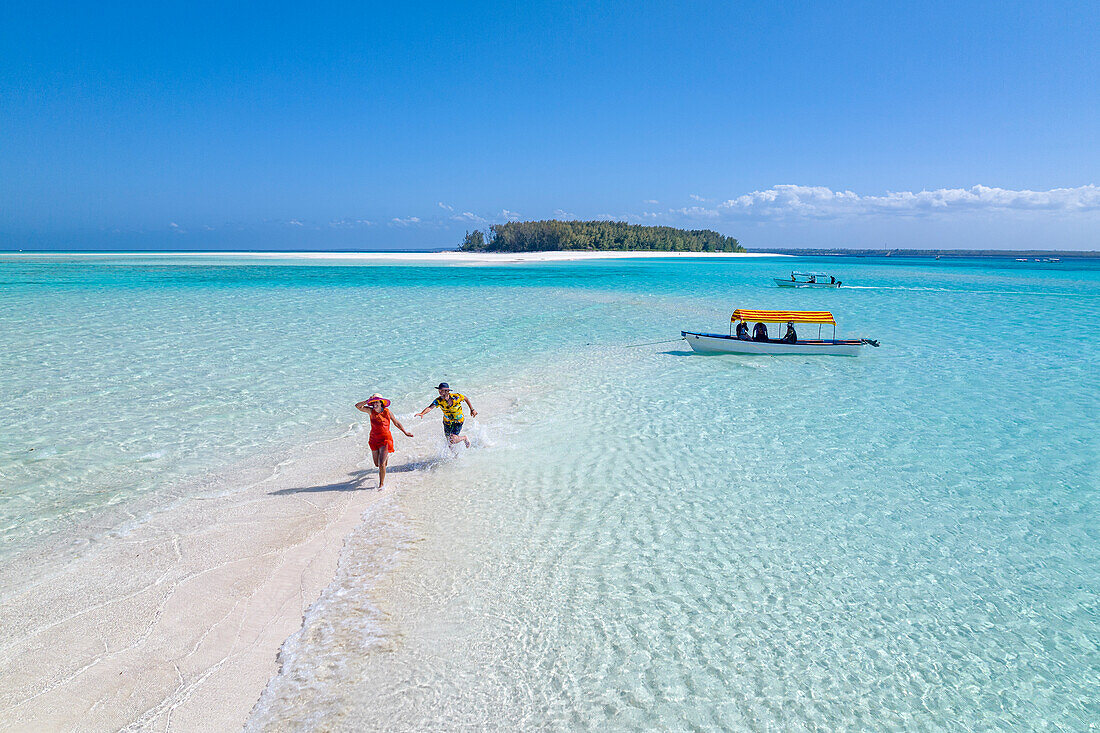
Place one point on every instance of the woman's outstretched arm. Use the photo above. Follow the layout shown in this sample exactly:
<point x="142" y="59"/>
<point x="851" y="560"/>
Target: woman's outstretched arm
<point x="400" y="427"/>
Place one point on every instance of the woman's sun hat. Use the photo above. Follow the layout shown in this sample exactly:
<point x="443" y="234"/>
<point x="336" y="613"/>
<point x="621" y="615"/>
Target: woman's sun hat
<point x="378" y="398"/>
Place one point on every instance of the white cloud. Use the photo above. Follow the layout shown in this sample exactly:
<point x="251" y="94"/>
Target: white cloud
<point x="295" y="223"/>
<point x="350" y="223"/>
<point x="406" y="222"/>
<point x="697" y="197"/>
<point x="176" y="228"/>
<point x="445" y="207"/>
<point x="818" y="202"/>
<point x="469" y="217"/>
<point x="560" y="214"/>
<point x="697" y="212"/>
<point x="651" y="201"/>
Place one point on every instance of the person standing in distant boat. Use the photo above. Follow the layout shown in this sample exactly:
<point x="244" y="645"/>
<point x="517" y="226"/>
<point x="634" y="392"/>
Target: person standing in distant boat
<point x="380" y="440"/>
<point x="450" y="404"/>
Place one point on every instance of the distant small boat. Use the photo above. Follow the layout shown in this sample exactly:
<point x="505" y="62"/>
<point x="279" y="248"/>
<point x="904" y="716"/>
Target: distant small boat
<point x="1021" y="259"/>
<point x="716" y="343"/>
<point x="808" y="280"/>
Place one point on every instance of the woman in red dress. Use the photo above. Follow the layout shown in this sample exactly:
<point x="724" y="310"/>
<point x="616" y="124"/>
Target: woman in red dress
<point x="381" y="441"/>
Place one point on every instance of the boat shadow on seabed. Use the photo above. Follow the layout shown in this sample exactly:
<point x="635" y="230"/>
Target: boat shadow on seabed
<point x="736" y="363"/>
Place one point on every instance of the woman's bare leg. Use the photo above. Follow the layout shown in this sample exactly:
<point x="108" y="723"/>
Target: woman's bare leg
<point x="383" y="454"/>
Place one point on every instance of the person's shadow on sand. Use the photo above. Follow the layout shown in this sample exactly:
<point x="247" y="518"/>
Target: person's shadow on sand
<point x="356" y="482"/>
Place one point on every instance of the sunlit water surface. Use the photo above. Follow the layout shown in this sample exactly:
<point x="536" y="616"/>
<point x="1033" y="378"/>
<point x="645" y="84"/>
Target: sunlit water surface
<point x="643" y="538"/>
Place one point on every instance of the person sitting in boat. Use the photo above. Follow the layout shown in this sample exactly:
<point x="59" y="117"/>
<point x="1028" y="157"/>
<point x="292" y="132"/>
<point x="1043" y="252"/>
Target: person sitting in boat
<point x="790" y="336"/>
<point x="759" y="332"/>
<point x="742" y="330"/>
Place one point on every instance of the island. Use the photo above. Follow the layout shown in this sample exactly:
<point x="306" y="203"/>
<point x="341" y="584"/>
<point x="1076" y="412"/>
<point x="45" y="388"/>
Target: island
<point x="552" y="235"/>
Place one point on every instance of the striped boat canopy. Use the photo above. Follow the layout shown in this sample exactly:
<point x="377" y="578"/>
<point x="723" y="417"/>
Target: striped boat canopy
<point x="741" y="314"/>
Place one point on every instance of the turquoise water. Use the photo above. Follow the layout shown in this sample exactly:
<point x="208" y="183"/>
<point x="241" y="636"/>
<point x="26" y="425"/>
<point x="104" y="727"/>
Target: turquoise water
<point x="644" y="538"/>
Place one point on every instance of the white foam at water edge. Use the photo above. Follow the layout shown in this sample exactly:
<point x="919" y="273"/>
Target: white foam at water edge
<point x="343" y="621"/>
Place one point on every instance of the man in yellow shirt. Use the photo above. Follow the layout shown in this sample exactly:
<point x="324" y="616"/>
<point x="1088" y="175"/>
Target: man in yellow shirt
<point x="450" y="404"/>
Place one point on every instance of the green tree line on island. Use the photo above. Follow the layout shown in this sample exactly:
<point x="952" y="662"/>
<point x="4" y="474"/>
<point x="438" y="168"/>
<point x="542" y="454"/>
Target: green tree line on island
<point x="542" y="236"/>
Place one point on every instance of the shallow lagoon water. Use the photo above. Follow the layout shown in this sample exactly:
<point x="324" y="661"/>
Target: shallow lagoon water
<point x="644" y="537"/>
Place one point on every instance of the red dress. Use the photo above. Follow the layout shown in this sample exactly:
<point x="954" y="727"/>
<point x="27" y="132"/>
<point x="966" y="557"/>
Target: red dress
<point x="380" y="431"/>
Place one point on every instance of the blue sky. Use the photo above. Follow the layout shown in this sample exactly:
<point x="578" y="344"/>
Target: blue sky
<point x="224" y="126"/>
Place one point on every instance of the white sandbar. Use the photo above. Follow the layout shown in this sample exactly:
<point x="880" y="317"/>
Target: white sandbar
<point x="175" y="622"/>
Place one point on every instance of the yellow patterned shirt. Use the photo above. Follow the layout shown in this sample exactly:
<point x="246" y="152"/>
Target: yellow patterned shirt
<point x="451" y="406"/>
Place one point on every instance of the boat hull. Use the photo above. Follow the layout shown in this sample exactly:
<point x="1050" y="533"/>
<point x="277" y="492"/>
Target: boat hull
<point x="713" y="343"/>
<point x="796" y="284"/>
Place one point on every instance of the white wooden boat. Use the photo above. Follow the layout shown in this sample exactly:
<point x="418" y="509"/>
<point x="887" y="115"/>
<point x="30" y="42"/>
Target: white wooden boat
<point x="716" y="343"/>
<point x="807" y="280"/>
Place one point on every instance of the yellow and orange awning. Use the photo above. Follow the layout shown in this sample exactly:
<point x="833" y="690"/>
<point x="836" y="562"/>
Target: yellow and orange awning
<point x="742" y="314"/>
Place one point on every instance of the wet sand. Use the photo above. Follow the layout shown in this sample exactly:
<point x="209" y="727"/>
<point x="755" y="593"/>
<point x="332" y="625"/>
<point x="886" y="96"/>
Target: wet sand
<point x="176" y="622"/>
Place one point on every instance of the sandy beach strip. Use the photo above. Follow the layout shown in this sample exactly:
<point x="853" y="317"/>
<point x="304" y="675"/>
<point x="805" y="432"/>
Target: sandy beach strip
<point x="176" y="622"/>
<point x="487" y="258"/>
